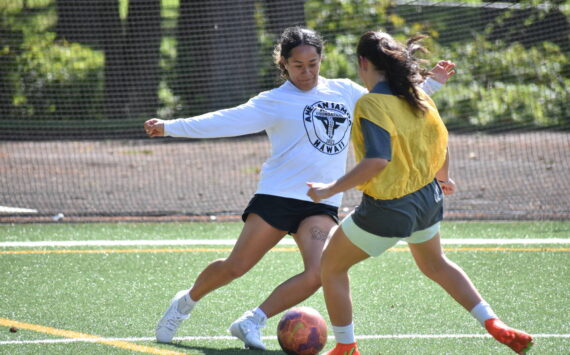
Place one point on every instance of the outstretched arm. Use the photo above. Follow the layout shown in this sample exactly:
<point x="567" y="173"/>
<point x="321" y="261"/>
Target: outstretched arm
<point x="361" y="173"/>
<point x="251" y="117"/>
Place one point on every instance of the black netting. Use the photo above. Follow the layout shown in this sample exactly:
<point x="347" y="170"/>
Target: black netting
<point x="78" y="79"/>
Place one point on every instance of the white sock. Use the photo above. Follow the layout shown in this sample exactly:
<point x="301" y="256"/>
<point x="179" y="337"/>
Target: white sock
<point x="260" y="316"/>
<point x="186" y="303"/>
<point x="344" y="334"/>
<point x="482" y="311"/>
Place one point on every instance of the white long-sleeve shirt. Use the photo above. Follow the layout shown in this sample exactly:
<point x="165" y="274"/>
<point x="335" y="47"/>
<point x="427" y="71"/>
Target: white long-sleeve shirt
<point x="309" y="132"/>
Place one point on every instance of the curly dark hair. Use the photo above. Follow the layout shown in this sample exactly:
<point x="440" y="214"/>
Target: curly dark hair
<point x="402" y="69"/>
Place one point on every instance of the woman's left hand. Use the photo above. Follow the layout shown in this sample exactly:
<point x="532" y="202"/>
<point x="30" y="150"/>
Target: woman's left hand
<point x="448" y="187"/>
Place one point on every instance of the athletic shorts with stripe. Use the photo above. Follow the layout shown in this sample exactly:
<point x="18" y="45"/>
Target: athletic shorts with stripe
<point x="377" y="225"/>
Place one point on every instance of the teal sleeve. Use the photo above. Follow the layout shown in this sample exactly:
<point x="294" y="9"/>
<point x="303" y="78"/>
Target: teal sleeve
<point x="377" y="141"/>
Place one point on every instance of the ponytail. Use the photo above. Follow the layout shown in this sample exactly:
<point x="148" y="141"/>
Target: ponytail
<point x="402" y="69"/>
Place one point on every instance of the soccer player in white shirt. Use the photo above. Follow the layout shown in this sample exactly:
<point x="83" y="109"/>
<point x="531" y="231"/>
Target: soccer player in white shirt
<point x="308" y="120"/>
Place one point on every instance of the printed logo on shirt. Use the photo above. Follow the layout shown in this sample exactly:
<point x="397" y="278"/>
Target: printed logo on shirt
<point x="328" y="126"/>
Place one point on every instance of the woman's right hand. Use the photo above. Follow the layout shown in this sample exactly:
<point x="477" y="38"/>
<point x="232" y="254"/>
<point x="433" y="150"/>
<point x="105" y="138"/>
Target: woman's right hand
<point x="318" y="191"/>
<point x="154" y="127"/>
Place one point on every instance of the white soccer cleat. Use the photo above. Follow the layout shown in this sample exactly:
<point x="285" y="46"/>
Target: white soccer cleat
<point x="172" y="318"/>
<point x="247" y="329"/>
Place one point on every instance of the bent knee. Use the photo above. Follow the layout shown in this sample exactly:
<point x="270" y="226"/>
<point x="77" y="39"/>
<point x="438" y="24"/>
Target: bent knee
<point x="312" y="278"/>
<point x="330" y="265"/>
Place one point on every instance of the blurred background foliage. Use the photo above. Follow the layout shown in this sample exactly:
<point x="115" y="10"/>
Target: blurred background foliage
<point x="121" y="60"/>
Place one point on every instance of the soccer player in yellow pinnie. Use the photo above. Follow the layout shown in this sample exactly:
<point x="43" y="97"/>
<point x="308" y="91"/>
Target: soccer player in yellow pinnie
<point x="400" y="144"/>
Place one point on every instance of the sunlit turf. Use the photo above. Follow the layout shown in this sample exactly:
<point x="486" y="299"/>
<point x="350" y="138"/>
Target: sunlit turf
<point x="123" y="294"/>
<point x="230" y="230"/>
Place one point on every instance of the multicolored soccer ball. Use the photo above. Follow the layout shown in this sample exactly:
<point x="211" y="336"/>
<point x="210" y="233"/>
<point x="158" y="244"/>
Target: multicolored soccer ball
<point x="302" y="331"/>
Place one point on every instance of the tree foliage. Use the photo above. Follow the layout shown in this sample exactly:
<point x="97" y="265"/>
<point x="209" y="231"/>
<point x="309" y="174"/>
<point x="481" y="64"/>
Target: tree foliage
<point x="510" y="71"/>
<point x="502" y="85"/>
<point x="49" y="79"/>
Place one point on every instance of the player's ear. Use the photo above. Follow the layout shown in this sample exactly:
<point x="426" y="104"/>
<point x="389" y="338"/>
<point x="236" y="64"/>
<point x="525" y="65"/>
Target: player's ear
<point x="363" y="63"/>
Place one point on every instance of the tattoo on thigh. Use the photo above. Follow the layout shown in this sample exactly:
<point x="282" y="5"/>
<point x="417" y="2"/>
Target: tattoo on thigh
<point x="318" y="234"/>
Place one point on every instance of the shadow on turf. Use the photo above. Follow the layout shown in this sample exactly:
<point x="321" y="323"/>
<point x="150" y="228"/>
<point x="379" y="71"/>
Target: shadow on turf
<point x="210" y="351"/>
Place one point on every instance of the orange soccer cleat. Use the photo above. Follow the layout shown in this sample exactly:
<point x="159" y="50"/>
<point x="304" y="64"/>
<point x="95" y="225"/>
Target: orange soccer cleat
<point x="515" y="339"/>
<point x="344" y="349"/>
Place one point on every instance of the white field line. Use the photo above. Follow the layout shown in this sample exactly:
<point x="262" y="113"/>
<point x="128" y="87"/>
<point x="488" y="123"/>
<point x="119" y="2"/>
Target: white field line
<point x="181" y="242"/>
<point x="6" y="210"/>
<point x="227" y="337"/>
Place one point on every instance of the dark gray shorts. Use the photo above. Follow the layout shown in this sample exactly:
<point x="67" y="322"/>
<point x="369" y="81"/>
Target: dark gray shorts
<point x="403" y="216"/>
<point x="286" y="213"/>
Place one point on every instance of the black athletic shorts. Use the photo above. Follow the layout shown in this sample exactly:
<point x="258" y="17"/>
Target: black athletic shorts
<point x="286" y="213"/>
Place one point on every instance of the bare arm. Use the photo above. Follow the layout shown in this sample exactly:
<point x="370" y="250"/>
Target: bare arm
<point x="361" y="173"/>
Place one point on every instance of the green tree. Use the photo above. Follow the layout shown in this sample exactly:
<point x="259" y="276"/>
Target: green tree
<point x="132" y="50"/>
<point x="10" y="44"/>
<point x="507" y="85"/>
<point x="45" y="78"/>
<point x="217" y="60"/>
